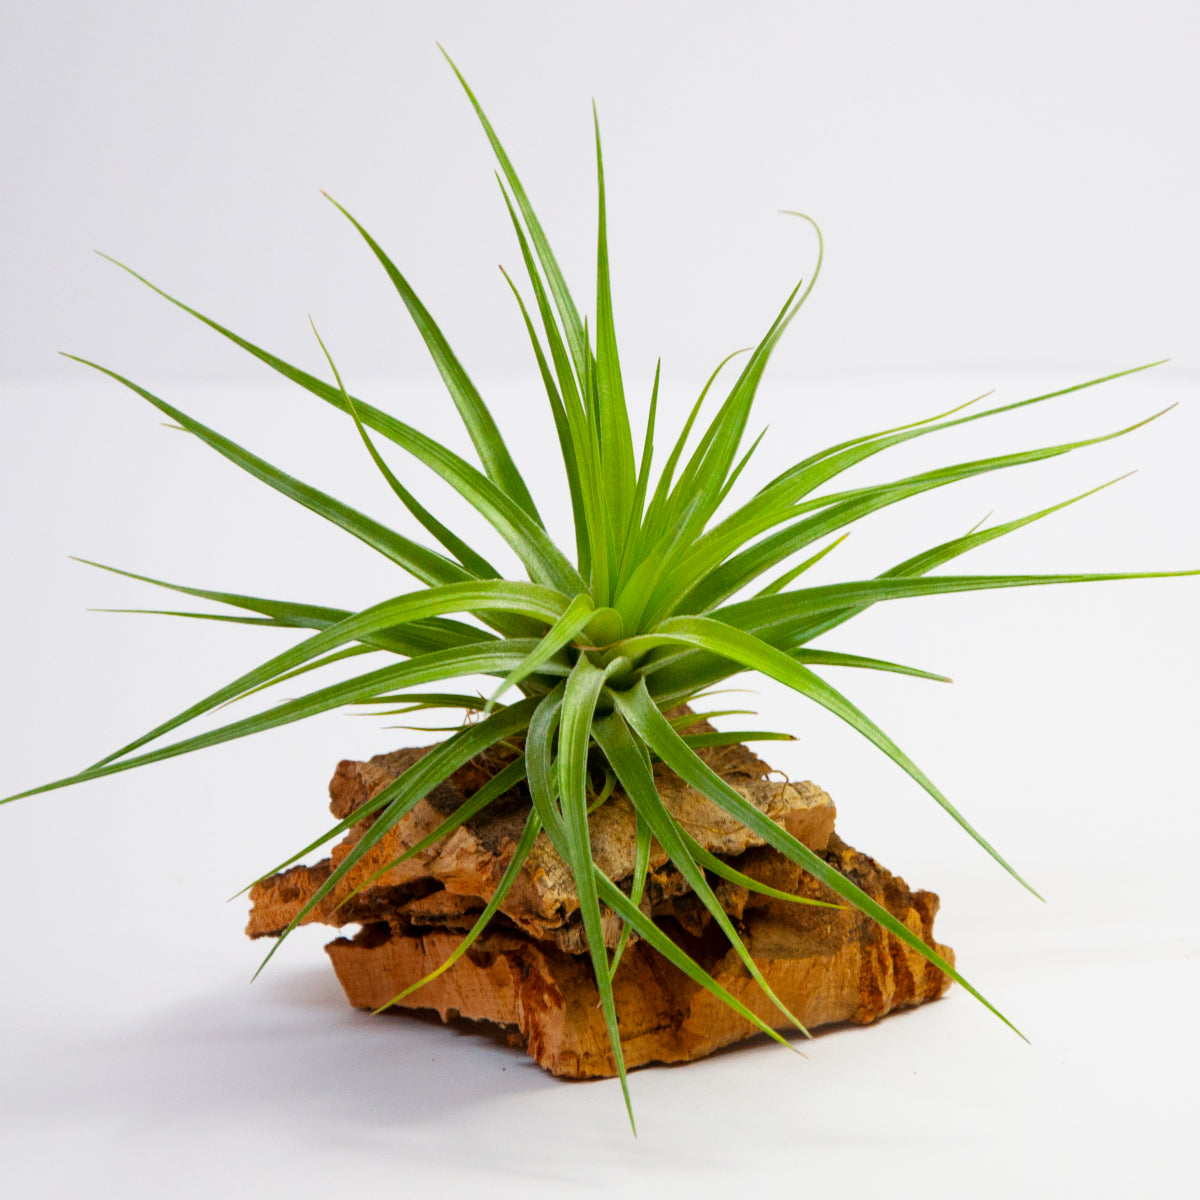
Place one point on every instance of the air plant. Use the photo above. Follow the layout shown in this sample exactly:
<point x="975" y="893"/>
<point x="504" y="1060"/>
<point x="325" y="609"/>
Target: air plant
<point x="670" y="590"/>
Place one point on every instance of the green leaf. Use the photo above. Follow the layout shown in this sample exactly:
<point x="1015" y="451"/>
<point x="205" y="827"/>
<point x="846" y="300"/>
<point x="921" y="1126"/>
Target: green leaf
<point x="650" y="933"/>
<point x="632" y="766"/>
<point x="616" y="440"/>
<point x="486" y="659"/>
<point x="495" y="787"/>
<point x="563" y="428"/>
<point x="575" y="616"/>
<point x="643" y="841"/>
<point x="493" y="453"/>
<point x="428" y="566"/>
<point x="683" y="675"/>
<point x="500" y="783"/>
<point x="578" y="705"/>
<point x="639" y="710"/>
<point x="780" y="613"/>
<point x="734" y="737"/>
<point x="315" y="665"/>
<point x="752" y="653"/>
<point x="794" y="573"/>
<point x="606" y="790"/>
<point x="718" y="867"/>
<point x="830" y="451"/>
<point x="545" y="562"/>
<point x="475" y="563"/>
<point x="727" y="486"/>
<point x="929" y="559"/>
<point x="691" y="588"/>
<point x="880" y="441"/>
<point x="654" y="522"/>
<point x="687" y="719"/>
<point x="525" y="599"/>
<point x="539" y="764"/>
<point x="572" y="327"/>
<point x="695" y="496"/>
<point x="414" y="637"/>
<point x="831" y="658"/>
<point x="643" y="478"/>
<point x="533" y="827"/>
<point x="573" y="409"/>
<point x="405" y="792"/>
<point x="198" y="616"/>
<point x="427" y="700"/>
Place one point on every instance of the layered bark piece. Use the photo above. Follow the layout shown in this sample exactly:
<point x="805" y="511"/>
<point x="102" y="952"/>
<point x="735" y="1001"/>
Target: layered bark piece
<point x="529" y="971"/>
<point x="825" y="965"/>
<point x="442" y="886"/>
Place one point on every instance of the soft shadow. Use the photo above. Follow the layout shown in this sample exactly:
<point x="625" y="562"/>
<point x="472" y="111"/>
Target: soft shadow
<point x="288" y="1046"/>
<point x="289" y="1061"/>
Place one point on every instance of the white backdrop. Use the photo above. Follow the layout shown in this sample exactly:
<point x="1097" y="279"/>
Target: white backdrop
<point x="1001" y="184"/>
<point x="1009" y="198"/>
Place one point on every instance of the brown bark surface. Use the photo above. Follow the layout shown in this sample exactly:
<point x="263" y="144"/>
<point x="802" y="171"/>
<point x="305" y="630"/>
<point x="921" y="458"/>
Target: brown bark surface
<point x="444" y="885"/>
<point x="528" y="971"/>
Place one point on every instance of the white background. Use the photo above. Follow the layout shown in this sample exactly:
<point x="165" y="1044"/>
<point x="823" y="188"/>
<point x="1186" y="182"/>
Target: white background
<point x="1009" y="198"/>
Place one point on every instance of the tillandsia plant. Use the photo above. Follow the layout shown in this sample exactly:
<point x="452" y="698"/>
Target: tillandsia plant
<point x="664" y="598"/>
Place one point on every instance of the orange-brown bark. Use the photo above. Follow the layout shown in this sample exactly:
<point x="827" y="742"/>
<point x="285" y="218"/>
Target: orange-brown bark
<point x="529" y="972"/>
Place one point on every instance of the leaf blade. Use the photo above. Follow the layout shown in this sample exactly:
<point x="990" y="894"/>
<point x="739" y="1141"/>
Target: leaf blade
<point x="476" y="417"/>
<point x="753" y="653"/>
<point x="645" y="718"/>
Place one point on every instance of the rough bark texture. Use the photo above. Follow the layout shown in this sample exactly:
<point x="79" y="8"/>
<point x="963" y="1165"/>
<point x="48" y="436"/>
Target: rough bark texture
<point x="529" y="972"/>
<point x="448" y="883"/>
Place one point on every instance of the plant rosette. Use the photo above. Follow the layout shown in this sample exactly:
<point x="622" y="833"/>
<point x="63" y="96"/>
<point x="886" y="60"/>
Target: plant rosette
<point x="671" y="589"/>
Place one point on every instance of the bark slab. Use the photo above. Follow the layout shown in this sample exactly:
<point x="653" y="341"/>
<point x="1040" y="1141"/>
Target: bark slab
<point x="529" y="972"/>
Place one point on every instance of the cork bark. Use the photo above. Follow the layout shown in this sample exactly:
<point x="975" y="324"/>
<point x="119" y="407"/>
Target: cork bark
<point x="529" y="972"/>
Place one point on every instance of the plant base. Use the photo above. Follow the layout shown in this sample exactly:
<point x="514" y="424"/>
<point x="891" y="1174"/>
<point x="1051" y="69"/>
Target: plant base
<point x="826" y="966"/>
<point x="528" y="972"/>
